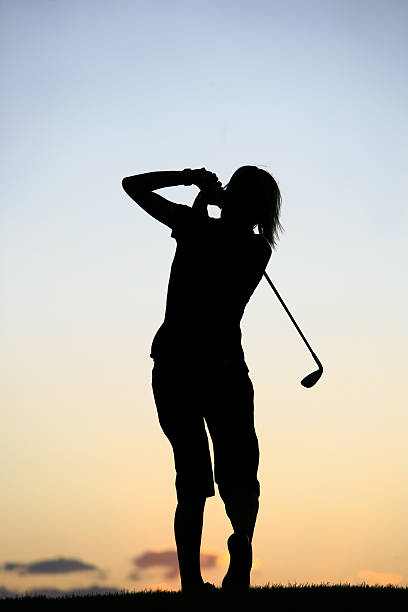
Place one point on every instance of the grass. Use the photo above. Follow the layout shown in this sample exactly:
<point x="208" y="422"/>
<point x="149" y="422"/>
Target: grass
<point x="270" y="597"/>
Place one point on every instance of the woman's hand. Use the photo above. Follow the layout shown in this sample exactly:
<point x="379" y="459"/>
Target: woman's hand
<point x="204" y="179"/>
<point x="210" y="186"/>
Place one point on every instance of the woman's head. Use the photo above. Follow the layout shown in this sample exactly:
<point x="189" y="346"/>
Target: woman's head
<point x="252" y="198"/>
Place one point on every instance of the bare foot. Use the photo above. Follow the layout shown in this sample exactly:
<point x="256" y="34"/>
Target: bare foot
<point x="238" y="574"/>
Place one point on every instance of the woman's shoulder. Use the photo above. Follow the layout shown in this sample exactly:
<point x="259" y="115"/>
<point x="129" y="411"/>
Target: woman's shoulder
<point x="263" y="250"/>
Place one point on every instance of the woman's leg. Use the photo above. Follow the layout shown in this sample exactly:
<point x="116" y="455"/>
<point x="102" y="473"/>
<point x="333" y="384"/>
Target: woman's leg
<point x="183" y="425"/>
<point x="242" y="510"/>
<point x="188" y="525"/>
<point x="236" y="450"/>
<point x="236" y="456"/>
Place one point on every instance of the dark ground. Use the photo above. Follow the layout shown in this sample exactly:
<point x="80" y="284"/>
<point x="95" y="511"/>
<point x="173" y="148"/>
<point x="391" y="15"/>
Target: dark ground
<point x="272" y="597"/>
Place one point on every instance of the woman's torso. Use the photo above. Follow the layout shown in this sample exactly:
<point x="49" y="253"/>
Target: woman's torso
<point x="213" y="275"/>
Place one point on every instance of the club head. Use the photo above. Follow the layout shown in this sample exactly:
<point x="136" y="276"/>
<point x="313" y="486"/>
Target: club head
<point x="312" y="378"/>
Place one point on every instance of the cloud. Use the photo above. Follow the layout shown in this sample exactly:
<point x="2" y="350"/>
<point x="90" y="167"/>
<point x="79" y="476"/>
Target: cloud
<point x="371" y="578"/>
<point x="168" y="560"/>
<point x="51" y="592"/>
<point x="60" y="565"/>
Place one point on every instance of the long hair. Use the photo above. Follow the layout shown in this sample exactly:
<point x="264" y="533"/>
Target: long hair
<point x="257" y="188"/>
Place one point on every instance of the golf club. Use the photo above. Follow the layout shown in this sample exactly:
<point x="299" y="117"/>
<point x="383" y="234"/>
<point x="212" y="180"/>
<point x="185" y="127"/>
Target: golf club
<point x="312" y="378"/>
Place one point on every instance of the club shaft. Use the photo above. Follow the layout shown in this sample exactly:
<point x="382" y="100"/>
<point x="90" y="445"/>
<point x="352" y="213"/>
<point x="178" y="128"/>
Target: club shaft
<point x="293" y="320"/>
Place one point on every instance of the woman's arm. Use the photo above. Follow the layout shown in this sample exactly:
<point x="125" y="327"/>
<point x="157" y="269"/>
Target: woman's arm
<point x="149" y="181"/>
<point x="140" y="186"/>
<point x="201" y="202"/>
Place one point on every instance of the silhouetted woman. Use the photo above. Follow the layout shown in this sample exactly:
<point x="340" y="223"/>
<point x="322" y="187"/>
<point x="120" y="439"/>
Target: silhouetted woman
<point x="199" y="374"/>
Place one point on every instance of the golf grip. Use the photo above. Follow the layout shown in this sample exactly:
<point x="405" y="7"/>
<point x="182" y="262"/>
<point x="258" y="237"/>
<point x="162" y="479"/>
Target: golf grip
<point x="293" y="320"/>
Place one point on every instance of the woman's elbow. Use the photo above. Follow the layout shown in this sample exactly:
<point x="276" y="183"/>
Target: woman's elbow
<point x="128" y="186"/>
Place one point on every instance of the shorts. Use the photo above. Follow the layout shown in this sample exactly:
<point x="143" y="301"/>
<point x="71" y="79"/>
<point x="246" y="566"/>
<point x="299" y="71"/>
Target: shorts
<point x="186" y="400"/>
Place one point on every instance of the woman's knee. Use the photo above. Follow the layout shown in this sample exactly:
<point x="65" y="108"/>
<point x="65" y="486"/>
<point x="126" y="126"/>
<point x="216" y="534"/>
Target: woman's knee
<point x="193" y="501"/>
<point x="227" y="490"/>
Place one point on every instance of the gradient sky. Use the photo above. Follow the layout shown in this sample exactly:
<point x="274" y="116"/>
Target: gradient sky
<point x="316" y="93"/>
